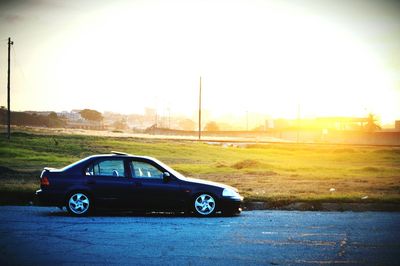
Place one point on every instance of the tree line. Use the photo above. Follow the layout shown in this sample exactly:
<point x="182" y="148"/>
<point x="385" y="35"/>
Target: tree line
<point x="32" y="119"/>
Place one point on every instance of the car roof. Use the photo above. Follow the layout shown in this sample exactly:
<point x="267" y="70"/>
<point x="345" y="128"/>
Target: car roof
<point x="121" y="155"/>
<point x="77" y="165"/>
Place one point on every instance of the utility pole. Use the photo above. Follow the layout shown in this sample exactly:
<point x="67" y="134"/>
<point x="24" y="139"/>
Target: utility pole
<point x="8" y="91"/>
<point x="200" y="110"/>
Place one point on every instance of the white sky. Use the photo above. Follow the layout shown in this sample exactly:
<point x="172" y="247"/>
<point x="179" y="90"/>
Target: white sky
<point x="333" y="58"/>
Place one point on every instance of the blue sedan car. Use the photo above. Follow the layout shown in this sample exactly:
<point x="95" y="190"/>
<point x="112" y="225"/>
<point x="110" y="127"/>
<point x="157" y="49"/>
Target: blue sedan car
<point x="122" y="181"/>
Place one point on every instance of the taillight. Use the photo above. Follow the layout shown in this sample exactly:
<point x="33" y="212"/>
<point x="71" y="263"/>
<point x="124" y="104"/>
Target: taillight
<point x="44" y="181"/>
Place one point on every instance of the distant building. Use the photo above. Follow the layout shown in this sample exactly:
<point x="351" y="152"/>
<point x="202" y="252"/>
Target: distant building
<point x="150" y="112"/>
<point x="397" y="125"/>
<point x="75" y="120"/>
<point x="269" y="124"/>
<point x="74" y="115"/>
<point x="44" y="113"/>
<point x="342" y="123"/>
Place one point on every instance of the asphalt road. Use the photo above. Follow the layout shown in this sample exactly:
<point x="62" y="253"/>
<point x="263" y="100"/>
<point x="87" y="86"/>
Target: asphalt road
<point x="48" y="236"/>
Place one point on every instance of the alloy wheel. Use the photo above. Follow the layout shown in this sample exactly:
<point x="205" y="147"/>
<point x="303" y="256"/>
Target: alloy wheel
<point x="204" y="204"/>
<point x="78" y="204"/>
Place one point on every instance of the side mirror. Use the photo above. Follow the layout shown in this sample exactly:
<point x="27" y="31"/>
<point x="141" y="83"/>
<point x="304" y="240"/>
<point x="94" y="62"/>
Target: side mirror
<point x="166" y="177"/>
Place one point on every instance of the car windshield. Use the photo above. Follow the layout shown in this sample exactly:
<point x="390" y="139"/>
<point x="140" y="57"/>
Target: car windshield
<point x="169" y="169"/>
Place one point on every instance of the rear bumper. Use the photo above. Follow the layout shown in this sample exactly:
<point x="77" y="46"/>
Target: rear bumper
<point x="44" y="198"/>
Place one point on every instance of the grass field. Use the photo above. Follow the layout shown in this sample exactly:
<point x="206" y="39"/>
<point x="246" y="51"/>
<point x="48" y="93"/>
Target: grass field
<point x="262" y="172"/>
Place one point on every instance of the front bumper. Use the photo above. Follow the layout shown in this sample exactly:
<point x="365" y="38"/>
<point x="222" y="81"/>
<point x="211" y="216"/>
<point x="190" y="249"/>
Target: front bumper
<point x="231" y="206"/>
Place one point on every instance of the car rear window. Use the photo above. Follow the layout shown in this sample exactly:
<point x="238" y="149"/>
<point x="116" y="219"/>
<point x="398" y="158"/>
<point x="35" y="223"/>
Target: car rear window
<point x="111" y="167"/>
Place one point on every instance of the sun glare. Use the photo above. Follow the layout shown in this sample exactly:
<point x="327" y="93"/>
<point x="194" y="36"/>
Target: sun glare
<point x="274" y="58"/>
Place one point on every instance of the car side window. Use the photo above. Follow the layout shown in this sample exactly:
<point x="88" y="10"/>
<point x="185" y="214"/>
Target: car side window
<point x="107" y="168"/>
<point x="145" y="170"/>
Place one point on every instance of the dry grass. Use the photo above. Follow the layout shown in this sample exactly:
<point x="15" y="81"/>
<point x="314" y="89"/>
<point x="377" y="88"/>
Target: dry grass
<point x="272" y="172"/>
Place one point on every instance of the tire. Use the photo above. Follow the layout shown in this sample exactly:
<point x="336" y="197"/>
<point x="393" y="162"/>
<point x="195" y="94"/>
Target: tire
<point x="204" y="205"/>
<point x="79" y="203"/>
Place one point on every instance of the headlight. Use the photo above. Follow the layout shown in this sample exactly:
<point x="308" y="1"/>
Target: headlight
<point x="231" y="194"/>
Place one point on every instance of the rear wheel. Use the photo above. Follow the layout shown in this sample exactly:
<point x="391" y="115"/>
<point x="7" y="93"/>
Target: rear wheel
<point x="204" y="205"/>
<point x="79" y="204"/>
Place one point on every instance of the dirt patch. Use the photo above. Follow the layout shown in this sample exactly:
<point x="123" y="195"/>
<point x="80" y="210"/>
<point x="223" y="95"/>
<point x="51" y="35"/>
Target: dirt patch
<point x="344" y="150"/>
<point x="221" y="164"/>
<point x="246" y="164"/>
<point x="371" y="169"/>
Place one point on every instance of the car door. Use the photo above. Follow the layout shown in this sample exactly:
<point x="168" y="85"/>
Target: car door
<point x="151" y="191"/>
<point x="109" y="183"/>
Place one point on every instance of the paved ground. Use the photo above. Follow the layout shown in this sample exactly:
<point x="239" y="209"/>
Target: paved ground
<point x="48" y="236"/>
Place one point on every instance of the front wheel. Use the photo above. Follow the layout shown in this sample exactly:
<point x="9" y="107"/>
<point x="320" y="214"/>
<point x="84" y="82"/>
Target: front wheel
<point x="79" y="204"/>
<point x="204" y="205"/>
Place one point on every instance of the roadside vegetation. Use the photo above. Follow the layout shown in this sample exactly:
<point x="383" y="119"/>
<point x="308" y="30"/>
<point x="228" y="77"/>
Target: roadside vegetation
<point x="280" y="173"/>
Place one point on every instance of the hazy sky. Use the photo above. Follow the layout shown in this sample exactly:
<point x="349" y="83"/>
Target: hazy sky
<point x="333" y="58"/>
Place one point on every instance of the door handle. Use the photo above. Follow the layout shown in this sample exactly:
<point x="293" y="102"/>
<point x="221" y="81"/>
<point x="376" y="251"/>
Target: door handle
<point x="138" y="184"/>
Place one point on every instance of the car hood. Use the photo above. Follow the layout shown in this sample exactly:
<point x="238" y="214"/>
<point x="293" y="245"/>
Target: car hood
<point x="210" y="183"/>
